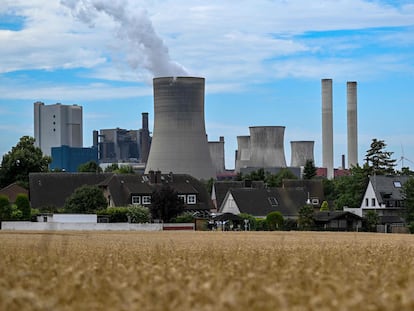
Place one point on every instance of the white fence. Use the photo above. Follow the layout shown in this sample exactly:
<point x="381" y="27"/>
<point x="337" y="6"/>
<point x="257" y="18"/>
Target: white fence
<point x="39" y="226"/>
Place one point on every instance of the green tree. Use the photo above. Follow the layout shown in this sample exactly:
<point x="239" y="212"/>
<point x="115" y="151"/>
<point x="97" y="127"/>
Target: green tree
<point x="86" y="199"/>
<point x="23" y="204"/>
<point x="252" y="224"/>
<point x="89" y="167"/>
<point x="138" y="214"/>
<point x="408" y="194"/>
<point x="309" y="171"/>
<point x="378" y="159"/>
<point x="123" y="169"/>
<point x="372" y="220"/>
<point x="324" y="206"/>
<point x="305" y="219"/>
<point x="165" y="204"/>
<point x="24" y="158"/>
<point x="5" y="208"/>
<point x="274" y="221"/>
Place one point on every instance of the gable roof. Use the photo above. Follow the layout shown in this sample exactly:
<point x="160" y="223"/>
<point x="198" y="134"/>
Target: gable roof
<point x="11" y="191"/>
<point x="385" y="187"/>
<point x="312" y="186"/>
<point x="260" y="202"/>
<point x="220" y="188"/>
<point x="327" y="216"/>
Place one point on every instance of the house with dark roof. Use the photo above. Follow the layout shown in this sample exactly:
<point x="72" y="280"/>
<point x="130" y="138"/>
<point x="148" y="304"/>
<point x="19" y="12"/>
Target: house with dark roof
<point x="259" y="202"/>
<point x="11" y="191"/>
<point x="52" y="189"/>
<point x="312" y="187"/>
<point x="384" y="196"/>
<point x="337" y="221"/>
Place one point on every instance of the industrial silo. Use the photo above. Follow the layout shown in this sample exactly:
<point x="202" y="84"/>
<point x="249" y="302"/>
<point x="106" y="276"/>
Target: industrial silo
<point x="266" y="146"/>
<point x="243" y="152"/>
<point x="179" y="141"/>
<point x="301" y="151"/>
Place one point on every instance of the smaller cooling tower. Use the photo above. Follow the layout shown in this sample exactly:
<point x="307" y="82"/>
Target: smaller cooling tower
<point x="266" y="146"/>
<point x="217" y="154"/>
<point x="179" y="142"/>
<point x="243" y="152"/>
<point x="301" y="151"/>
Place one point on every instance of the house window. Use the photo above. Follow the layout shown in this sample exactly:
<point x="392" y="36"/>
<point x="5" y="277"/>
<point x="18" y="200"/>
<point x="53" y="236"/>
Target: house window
<point x="315" y="201"/>
<point x="191" y="199"/>
<point x="273" y="201"/>
<point x="146" y="199"/>
<point x="397" y="184"/>
<point x="136" y="200"/>
<point x="373" y="202"/>
<point x="366" y="202"/>
<point x="182" y="197"/>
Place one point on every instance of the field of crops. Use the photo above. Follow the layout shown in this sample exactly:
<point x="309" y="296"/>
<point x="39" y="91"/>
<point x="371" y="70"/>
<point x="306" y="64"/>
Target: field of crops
<point x="206" y="271"/>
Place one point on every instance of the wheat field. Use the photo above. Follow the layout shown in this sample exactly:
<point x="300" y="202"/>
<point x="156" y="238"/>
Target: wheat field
<point x="206" y="271"/>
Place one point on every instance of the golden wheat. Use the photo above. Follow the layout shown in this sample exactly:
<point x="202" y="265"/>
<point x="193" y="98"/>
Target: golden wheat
<point x="206" y="271"/>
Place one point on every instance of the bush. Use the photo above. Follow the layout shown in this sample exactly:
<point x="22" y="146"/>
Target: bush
<point x="23" y="204"/>
<point x="274" y="221"/>
<point x="261" y="225"/>
<point x="116" y="214"/>
<point x="184" y="218"/>
<point x="86" y="199"/>
<point x="5" y="208"/>
<point x="138" y="214"/>
<point x="252" y="221"/>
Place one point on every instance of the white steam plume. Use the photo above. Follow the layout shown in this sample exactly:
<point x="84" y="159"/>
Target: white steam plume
<point x="144" y="48"/>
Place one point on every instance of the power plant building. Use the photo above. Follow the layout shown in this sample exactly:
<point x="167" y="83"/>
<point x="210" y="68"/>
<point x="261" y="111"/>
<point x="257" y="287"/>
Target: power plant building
<point x="57" y="125"/>
<point x="179" y="142"/>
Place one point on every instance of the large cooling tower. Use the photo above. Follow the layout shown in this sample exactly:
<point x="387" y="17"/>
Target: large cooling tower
<point x="243" y="152"/>
<point x="351" y="93"/>
<point x="301" y="151"/>
<point x="327" y="127"/>
<point x="266" y="146"/>
<point x="179" y="141"/>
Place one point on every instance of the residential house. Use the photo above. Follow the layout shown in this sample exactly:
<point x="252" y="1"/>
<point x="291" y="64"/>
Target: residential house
<point x="384" y="196"/>
<point x="337" y="221"/>
<point x="11" y="191"/>
<point x="259" y="202"/>
<point x="52" y="189"/>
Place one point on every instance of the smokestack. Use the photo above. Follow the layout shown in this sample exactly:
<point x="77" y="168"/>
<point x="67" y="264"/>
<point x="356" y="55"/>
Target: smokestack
<point x="144" y="138"/>
<point x="301" y="151"/>
<point x="266" y="146"/>
<point x="95" y="139"/>
<point x="327" y="127"/>
<point x="179" y="142"/>
<point x="351" y="92"/>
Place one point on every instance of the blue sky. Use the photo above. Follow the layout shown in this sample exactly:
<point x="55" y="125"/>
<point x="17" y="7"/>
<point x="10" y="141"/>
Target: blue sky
<point x="263" y="62"/>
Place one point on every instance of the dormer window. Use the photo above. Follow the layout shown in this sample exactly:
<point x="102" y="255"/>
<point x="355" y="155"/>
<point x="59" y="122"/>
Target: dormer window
<point x="191" y="199"/>
<point x="397" y="184"/>
<point x="273" y="201"/>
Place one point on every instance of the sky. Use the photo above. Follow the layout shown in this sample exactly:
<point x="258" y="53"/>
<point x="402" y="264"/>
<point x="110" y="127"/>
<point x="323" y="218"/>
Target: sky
<point x="262" y="61"/>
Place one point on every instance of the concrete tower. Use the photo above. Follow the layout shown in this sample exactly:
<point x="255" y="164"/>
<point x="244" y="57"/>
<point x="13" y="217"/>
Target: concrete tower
<point x="242" y="153"/>
<point x="351" y="93"/>
<point x="266" y="146"/>
<point x="179" y="143"/>
<point x="301" y="151"/>
<point x="327" y="127"/>
<point x="217" y="154"/>
<point x="144" y="138"/>
<point x="57" y="125"/>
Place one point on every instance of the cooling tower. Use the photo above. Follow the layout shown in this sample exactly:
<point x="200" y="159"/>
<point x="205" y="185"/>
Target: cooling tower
<point x="266" y="146"/>
<point x="243" y="152"/>
<point x="301" y="151"/>
<point x="217" y="155"/>
<point x="327" y="127"/>
<point x="351" y="92"/>
<point x="179" y="141"/>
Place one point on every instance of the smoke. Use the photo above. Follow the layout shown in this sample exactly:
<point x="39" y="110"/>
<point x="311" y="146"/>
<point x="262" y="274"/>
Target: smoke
<point x="142" y="46"/>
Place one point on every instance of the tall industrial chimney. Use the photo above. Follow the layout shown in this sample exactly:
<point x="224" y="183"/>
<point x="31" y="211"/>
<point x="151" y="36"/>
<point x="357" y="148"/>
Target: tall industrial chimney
<point x="179" y="142"/>
<point x="351" y="92"/>
<point x="144" y="138"/>
<point x="327" y="127"/>
<point x="266" y="146"/>
<point x="301" y="151"/>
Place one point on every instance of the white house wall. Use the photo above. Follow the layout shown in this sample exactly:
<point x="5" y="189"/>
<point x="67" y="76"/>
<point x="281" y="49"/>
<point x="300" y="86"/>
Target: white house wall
<point x="229" y="205"/>
<point x="370" y="195"/>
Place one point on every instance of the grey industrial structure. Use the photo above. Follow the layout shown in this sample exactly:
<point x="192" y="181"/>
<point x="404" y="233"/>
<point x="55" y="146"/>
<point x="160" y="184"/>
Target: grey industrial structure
<point x="179" y="141"/>
<point x="217" y="155"/>
<point x="327" y="127"/>
<point x="301" y="152"/>
<point x="57" y="125"/>
<point x="121" y="145"/>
